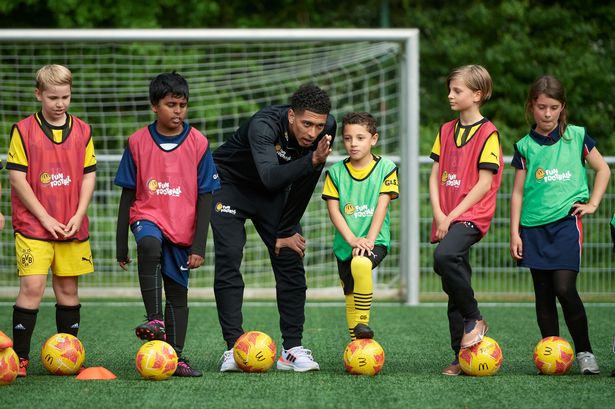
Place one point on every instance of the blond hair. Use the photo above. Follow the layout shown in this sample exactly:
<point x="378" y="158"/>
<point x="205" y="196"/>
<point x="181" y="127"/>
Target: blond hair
<point x="53" y="74"/>
<point x="475" y="77"/>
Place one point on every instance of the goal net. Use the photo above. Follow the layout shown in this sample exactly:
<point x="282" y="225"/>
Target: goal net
<point x="230" y="76"/>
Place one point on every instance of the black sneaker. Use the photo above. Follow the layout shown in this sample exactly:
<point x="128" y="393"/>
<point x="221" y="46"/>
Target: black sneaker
<point x="151" y="330"/>
<point x="362" y="331"/>
<point x="185" y="370"/>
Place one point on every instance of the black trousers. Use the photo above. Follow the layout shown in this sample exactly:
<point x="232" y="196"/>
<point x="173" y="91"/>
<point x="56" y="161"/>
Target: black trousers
<point x="451" y="263"/>
<point x="232" y="206"/>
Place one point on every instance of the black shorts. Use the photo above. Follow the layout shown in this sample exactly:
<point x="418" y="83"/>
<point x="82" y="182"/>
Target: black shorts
<point x="343" y="267"/>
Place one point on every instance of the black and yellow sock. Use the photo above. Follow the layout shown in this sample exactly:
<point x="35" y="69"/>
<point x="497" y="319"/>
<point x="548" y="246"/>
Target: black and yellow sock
<point x="361" y="269"/>
<point x="351" y="314"/>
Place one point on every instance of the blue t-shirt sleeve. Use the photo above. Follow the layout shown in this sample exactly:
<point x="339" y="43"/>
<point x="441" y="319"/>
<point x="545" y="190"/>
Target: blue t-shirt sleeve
<point x="517" y="160"/>
<point x="208" y="174"/>
<point x="127" y="171"/>
<point x="588" y="143"/>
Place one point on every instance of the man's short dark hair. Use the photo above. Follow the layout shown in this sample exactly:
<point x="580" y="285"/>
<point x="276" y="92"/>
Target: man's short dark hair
<point x="360" y="118"/>
<point x="167" y="83"/>
<point x="309" y="97"/>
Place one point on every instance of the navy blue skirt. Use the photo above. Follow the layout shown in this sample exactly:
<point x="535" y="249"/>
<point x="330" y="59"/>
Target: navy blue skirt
<point x="553" y="246"/>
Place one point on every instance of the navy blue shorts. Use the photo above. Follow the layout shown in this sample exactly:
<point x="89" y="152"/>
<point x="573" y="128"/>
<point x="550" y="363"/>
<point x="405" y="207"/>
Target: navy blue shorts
<point x="174" y="262"/>
<point x="554" y="246"/>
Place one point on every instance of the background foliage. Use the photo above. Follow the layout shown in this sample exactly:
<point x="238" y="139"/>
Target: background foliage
<point x="517" y="40"/>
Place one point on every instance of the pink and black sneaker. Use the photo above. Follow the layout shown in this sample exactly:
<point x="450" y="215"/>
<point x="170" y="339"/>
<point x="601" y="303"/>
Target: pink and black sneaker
<point x="185" y="370"/>
<point x="151" y="330"/>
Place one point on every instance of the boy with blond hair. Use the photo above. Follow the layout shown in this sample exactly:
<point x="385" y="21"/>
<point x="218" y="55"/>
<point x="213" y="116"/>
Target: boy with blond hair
<point x="464" y="179"/>
<point x="52" y="172"/>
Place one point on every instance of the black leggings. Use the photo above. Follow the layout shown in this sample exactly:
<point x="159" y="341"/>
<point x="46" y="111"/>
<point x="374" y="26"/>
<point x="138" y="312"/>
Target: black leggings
<point x="151" y="281"/>
<point x="452" y="263"/>
<point x="560" y="284"/>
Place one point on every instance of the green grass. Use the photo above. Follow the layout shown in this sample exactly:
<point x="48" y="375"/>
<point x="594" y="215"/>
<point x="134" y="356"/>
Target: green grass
<point x="415" y="340"/>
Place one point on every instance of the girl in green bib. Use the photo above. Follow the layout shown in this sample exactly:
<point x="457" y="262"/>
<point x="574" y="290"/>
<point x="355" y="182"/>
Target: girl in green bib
<point x="550" y="197"/>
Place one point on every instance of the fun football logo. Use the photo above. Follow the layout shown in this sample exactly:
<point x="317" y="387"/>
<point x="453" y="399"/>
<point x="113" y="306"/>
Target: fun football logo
<point x="349" y="209"/>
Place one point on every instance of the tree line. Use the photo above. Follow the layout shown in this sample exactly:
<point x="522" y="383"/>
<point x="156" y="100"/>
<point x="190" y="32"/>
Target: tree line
<point x="516" y="40"/>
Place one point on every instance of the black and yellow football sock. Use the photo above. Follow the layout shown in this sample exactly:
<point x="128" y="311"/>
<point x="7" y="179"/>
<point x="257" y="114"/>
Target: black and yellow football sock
<point x="351" y="314"/>
<point x="361" y="269"/>
<point x="68" y="318"/>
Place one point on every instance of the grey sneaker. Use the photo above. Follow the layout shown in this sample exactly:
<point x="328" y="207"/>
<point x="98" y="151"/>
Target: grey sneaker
<point x="587" y="363"/>
<point x="227" y="362"/>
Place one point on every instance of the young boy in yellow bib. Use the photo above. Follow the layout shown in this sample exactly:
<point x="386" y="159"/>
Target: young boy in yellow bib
<point x="358" y="191"/>
<point x="52" y="172"/>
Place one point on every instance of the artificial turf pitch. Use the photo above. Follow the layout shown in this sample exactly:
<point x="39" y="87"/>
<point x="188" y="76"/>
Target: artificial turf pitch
<point x="415" y="340"/>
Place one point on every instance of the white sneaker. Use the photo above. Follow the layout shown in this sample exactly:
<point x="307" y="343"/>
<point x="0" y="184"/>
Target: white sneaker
<point x="297" y="359"/>
<point x="227" y="362"/>
<point x="587" y="363"/>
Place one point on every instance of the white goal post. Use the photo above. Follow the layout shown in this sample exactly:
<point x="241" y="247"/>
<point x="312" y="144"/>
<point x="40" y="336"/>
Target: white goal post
<point x="232" y="73"/>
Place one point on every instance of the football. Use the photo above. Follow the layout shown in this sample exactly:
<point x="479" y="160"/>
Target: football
<point x="482" y="359"/>
<point x="254" y="351"/>
<point x="363" y="357"/>
<point x="9" y="365"/>
<point x="62" y="354"/>
<point x="553" y="356"/>
<point x="156" y="360"/>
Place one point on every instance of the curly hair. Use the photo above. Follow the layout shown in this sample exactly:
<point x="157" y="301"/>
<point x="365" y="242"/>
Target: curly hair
<point x="309" y="97"/>
<point x="360" y="118"/>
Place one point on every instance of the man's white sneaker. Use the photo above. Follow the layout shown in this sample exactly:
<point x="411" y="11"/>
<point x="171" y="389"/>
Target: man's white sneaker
<point x="587" y="363"/>
<point x="227" y="362"/>
<point x="297" y="359"/>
